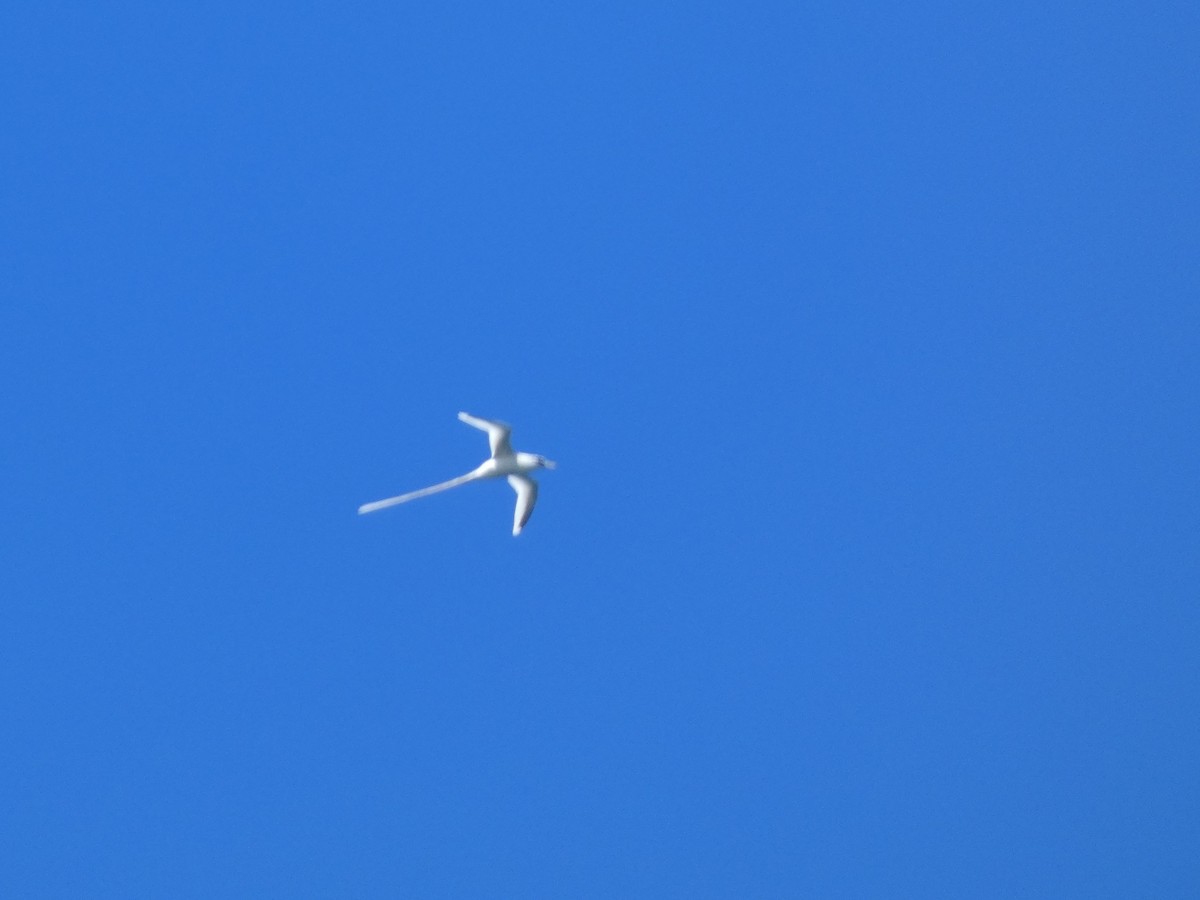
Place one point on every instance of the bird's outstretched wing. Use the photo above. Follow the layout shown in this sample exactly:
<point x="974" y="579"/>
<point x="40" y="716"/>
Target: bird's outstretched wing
<point x="423" y="492"/>
<point x="497" y="433"/>
<point x="527" y="490"/>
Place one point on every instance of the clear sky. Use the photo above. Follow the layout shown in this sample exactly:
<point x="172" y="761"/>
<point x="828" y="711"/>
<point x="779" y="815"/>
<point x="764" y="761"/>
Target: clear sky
<point x="867" y="339"/>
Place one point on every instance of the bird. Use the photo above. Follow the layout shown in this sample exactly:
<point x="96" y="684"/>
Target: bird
<point x="503" y="462"/>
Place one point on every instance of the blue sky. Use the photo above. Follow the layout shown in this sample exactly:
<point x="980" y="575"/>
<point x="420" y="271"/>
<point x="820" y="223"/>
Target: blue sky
<point x="866" y="339"/>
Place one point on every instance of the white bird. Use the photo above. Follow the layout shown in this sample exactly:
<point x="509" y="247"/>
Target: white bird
<point x="516" y="466"/>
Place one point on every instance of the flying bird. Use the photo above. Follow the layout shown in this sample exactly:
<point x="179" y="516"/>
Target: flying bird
<point x="503" y="462"/>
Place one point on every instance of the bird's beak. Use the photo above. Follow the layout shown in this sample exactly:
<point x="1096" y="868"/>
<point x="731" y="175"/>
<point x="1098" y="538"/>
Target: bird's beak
<point x="549" y="464"/>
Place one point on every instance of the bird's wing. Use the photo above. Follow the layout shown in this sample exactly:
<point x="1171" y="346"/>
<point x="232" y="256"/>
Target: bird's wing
<point x="497" y="433"/>
<point x="423" y="492"/>
<point x="526" y="489"/>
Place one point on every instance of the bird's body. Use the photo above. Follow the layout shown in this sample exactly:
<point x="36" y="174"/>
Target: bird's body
<point x="503" y="462"/>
